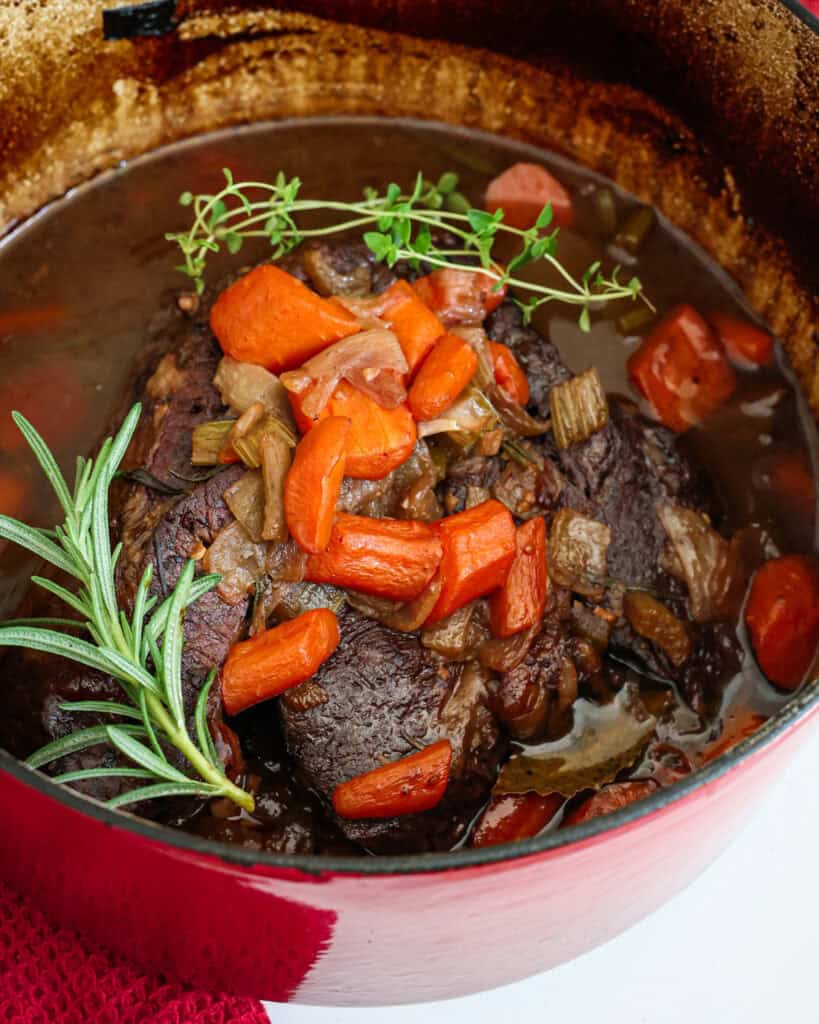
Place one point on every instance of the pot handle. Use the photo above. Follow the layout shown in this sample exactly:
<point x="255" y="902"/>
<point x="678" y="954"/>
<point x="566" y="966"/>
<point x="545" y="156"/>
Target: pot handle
<point x="154" y="18"/>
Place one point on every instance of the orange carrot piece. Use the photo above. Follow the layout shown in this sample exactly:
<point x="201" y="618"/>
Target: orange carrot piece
<point x="610" y="798"/>
<point x="459" y="296"/>
<point x="515" y="816"/>
<point x="523" y="190"/>
<point x="269" y="317"/>
<point x="508" y="373"/>
<point x="782" y="614"/>
<point x="478" y="549"/>
<point x="682" y="370"/>
<point x="408" y="786"/>
<point x="313" y="483"/>
<point x="445" y="372"/>
<point x="380" y="439"/>
<point x="520" y="602"/>
<point x="744" y="343"/>
<point x="278" y="659"/>
<point x="416" y="327"/>
<point x="392" y="558"/>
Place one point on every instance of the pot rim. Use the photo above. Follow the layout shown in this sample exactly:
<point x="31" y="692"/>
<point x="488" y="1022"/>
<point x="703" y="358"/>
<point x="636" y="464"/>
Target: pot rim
<point x="795" y="712"/>
<point x="802" y="12"/>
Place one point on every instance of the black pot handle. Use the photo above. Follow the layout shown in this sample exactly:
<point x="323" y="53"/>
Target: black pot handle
<point x="154" y="18"/>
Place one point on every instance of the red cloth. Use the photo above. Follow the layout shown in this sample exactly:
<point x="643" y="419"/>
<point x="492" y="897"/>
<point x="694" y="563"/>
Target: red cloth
<point x="51" y="975"/>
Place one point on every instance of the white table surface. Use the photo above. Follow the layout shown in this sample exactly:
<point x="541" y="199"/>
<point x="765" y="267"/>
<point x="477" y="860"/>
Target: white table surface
<point x="739" y="946"/>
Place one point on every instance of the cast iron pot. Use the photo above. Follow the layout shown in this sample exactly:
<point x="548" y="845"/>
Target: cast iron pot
<point x="707" y="110"/>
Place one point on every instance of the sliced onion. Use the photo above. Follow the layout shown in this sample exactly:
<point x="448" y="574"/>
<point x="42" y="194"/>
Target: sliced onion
<point x="458" y="636"/>
<point x="245" y="499"/>
<point x="578" y="550"/>
<point x="513" y="416"/>
<point x="235" y="557"/>
<point x="652" y="620"/>
<point x="405" y="618"/>
<point x="327" y="274"/>
<point x="705" y="561"/>
<point x="469" y="415"/>
<point x="373" y="356"/>
<point x="242" y="384"/>
<point x="368" y="310"/>
<point x="503" y="655"/>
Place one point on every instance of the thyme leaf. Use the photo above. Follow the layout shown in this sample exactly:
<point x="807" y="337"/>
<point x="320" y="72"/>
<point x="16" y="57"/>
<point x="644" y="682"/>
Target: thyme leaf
<point x="396" y="225"/>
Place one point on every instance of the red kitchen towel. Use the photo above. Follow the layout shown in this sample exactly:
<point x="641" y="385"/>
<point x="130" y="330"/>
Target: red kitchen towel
<point x="50" y="975"/>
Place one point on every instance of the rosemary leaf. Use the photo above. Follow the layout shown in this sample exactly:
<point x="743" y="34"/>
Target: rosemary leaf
<point x="141" y="755"/>
<point x="75" y="742"/>
<point x="102" y="707"/>
<point x="102" y="773"/>
<point x="163" y="789"/>
<point x="201" y="720"/>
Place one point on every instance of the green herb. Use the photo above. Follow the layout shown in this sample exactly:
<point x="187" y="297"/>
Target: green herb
<point x="143" y="653"/>
<point x="396" y="226"/>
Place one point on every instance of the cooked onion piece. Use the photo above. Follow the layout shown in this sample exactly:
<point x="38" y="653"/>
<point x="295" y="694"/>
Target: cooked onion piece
<point x="472" y="414"/>
<point x="578" y="549"/>
<point x="242" y="384"/>
<point x="235" y="557"/>
<point x="372" y="361"/>
<point x="513" y="416"/>
<point x="579" y="408"/>
<point x="245" y="499"/>
<point x="704" y="560"/>
<point x="651" y="619"/>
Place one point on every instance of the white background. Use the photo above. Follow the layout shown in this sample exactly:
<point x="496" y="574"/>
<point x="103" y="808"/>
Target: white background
<point x="740" y="946"/>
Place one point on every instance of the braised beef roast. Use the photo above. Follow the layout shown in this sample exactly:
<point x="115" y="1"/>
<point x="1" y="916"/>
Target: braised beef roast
<point x="383" y="694"/>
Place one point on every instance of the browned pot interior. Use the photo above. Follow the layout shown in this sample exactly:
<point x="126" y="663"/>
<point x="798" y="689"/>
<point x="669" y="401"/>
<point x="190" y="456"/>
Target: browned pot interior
<point x="709" y="111"/>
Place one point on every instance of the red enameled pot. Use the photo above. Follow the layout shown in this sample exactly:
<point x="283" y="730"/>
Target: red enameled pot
<point x="704" y="110"/>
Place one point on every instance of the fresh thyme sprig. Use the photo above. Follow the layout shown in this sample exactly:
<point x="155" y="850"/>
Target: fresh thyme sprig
<point x="396" y="226"/>
<point x="143" y="653"/>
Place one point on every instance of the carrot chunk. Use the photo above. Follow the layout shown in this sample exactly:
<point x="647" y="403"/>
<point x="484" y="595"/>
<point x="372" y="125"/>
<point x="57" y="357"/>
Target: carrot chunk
<point x="610" y="798"/>
<point x="416" y="327"/>
<point x="783" y="618"/>
<point x="445" y="372"/>
<point x="744" y="343"/>
<point x="270" y="318"/>
<point x="681" y="369"/>
<point x="515" y="816"/>
<point x="523" y="190"/>
<point x="508" y="373"/>
<point x="459" y="296"/>
<point x="380" y="439"/>
<point x="393" y="558"/>
<point x="478" y="548"/>
<point x="520" y="602"/>
<point x="313" y="483"/>
<point x="408" y="786"/>
<point x="277" y="659"/>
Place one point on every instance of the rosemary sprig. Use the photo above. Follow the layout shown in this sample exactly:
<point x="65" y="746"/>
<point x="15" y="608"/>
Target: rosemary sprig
<point x="143" y="653"/>
<point x="396" y="226"/>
